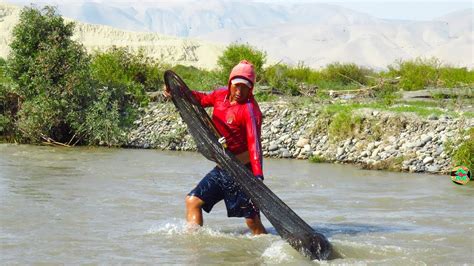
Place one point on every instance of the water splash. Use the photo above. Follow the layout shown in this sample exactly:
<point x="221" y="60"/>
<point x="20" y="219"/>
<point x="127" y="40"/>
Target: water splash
<point x="178" y="227"/>
<point x="278" y="252"/>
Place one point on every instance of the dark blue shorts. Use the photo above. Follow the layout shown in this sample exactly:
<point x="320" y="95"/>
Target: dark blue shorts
<point x="217" y="185"/>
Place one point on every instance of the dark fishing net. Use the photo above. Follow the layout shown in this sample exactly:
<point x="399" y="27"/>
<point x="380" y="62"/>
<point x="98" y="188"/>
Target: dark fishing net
<point x="286" y="222"/>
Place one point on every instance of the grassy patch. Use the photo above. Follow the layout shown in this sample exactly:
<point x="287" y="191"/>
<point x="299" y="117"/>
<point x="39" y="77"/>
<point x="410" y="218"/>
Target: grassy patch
<point x="421" y="111"/>
<point x="343" y="125"/>
<point x="317" y="159"/>
<point x="420" y="103"/>
<point x="420" y="108"/>
<point x="265" y="96"/>
<point x="391" y="164"/>
<point x="464" y="154"/>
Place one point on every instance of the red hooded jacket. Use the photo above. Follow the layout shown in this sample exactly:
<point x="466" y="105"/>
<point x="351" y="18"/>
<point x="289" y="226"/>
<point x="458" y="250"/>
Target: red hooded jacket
<point x="239" y="123"/>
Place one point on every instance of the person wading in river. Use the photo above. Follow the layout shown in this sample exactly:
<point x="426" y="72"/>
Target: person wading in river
<point x="238" y="119"/>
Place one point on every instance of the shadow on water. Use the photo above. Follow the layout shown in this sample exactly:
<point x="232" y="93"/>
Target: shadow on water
<point x="329" y="230"/>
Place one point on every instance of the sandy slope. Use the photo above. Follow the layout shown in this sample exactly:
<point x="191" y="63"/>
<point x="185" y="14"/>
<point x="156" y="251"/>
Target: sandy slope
<point x="171" y="50"/>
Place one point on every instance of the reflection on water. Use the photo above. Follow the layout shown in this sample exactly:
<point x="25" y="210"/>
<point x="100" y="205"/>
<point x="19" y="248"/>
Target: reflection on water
<point x="96" y="205"/>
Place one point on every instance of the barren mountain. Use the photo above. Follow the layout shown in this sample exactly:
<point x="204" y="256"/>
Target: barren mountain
<point x="313" y="33"/>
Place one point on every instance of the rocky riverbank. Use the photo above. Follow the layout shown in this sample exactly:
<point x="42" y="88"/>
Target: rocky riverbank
<point x="371" y="138"/>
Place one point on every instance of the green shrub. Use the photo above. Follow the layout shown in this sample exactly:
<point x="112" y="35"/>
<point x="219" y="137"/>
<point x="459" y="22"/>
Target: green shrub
<point x="288" y="80"/>
<point x="264" y="96"/>
<point x="134" y="73"/>
<point x="41" y="117"/>
<point x="3" y="64"/>
<point x="303" y="74"/>
<point x="8" y="110"/>
<point x="276" y="76"/>
<point x="234" y="53"/>
<point x="317" y="159"/>
<point x="125" y="77"/>
<point x="8" y="103"/>
<point x="451" y="77"/>
<point x="416" y="74"/>
<point x="464" y="154"/>
<point x="388" y="94"/>
<point x="198" y="79"/>
<point x="118" y="66"/>
<point x="346" y="74"/>
<point x="103" y="122"/>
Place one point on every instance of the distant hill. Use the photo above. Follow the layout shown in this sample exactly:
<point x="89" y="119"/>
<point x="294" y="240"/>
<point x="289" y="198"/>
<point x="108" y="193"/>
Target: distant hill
<point x="313" y="33"/>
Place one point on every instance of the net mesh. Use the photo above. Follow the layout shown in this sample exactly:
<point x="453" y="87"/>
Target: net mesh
<point x="286" y="222"/>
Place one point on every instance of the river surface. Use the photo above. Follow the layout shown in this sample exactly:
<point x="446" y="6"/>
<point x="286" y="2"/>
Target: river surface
<point x="121" y="206"/>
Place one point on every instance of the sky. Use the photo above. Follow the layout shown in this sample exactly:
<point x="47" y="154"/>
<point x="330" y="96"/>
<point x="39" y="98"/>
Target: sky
<point x="388" y="9"/>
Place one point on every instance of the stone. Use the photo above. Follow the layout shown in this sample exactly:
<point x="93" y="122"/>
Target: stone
<point x="426" y="138"/>
<point x="302" y="142"/>
<point x="413" y="168"/>
<point x="392" y="139"/>
<point x="375" y="152"/>
<point x="276" y="123"/>
<point x="370" y="147"/>
<point x="428" y="159"/>
<point x="433" y="168"/>
<point x="347" y="142"/>
<point x="273" y="147"/>
<point x="388" y="148"/>
<point x="286" y="154"/>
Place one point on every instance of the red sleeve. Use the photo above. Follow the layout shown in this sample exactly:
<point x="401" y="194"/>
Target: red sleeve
<point x="206" y="99"/>
<point x="253" y="126"/>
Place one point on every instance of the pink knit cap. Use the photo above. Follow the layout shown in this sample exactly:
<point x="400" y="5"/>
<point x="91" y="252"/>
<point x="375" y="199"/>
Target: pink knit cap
<point x="245" y="70"/>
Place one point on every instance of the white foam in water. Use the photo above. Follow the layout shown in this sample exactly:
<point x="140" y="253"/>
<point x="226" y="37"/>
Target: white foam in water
<point x="277" y="253"/>
<point x="180" y="227"/>
<point x="176" y="227"/>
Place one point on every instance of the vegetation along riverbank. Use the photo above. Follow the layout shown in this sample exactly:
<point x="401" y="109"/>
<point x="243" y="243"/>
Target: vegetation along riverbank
<point x="415" y="115"/>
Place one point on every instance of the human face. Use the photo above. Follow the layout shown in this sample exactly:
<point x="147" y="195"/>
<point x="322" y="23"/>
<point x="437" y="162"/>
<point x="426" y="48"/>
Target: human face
<point x="239" y="92"/>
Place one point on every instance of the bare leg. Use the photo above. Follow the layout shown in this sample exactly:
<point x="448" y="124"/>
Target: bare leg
<point x="255" y="225"/>
<point x="194" y="210"/>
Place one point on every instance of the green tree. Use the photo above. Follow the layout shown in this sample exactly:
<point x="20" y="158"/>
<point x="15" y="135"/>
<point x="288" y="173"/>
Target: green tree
<point x="234" y="53"/>
<point x="126" y="76"/>
<point x="8" y="103"/>
<point x="52" y="74"/>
